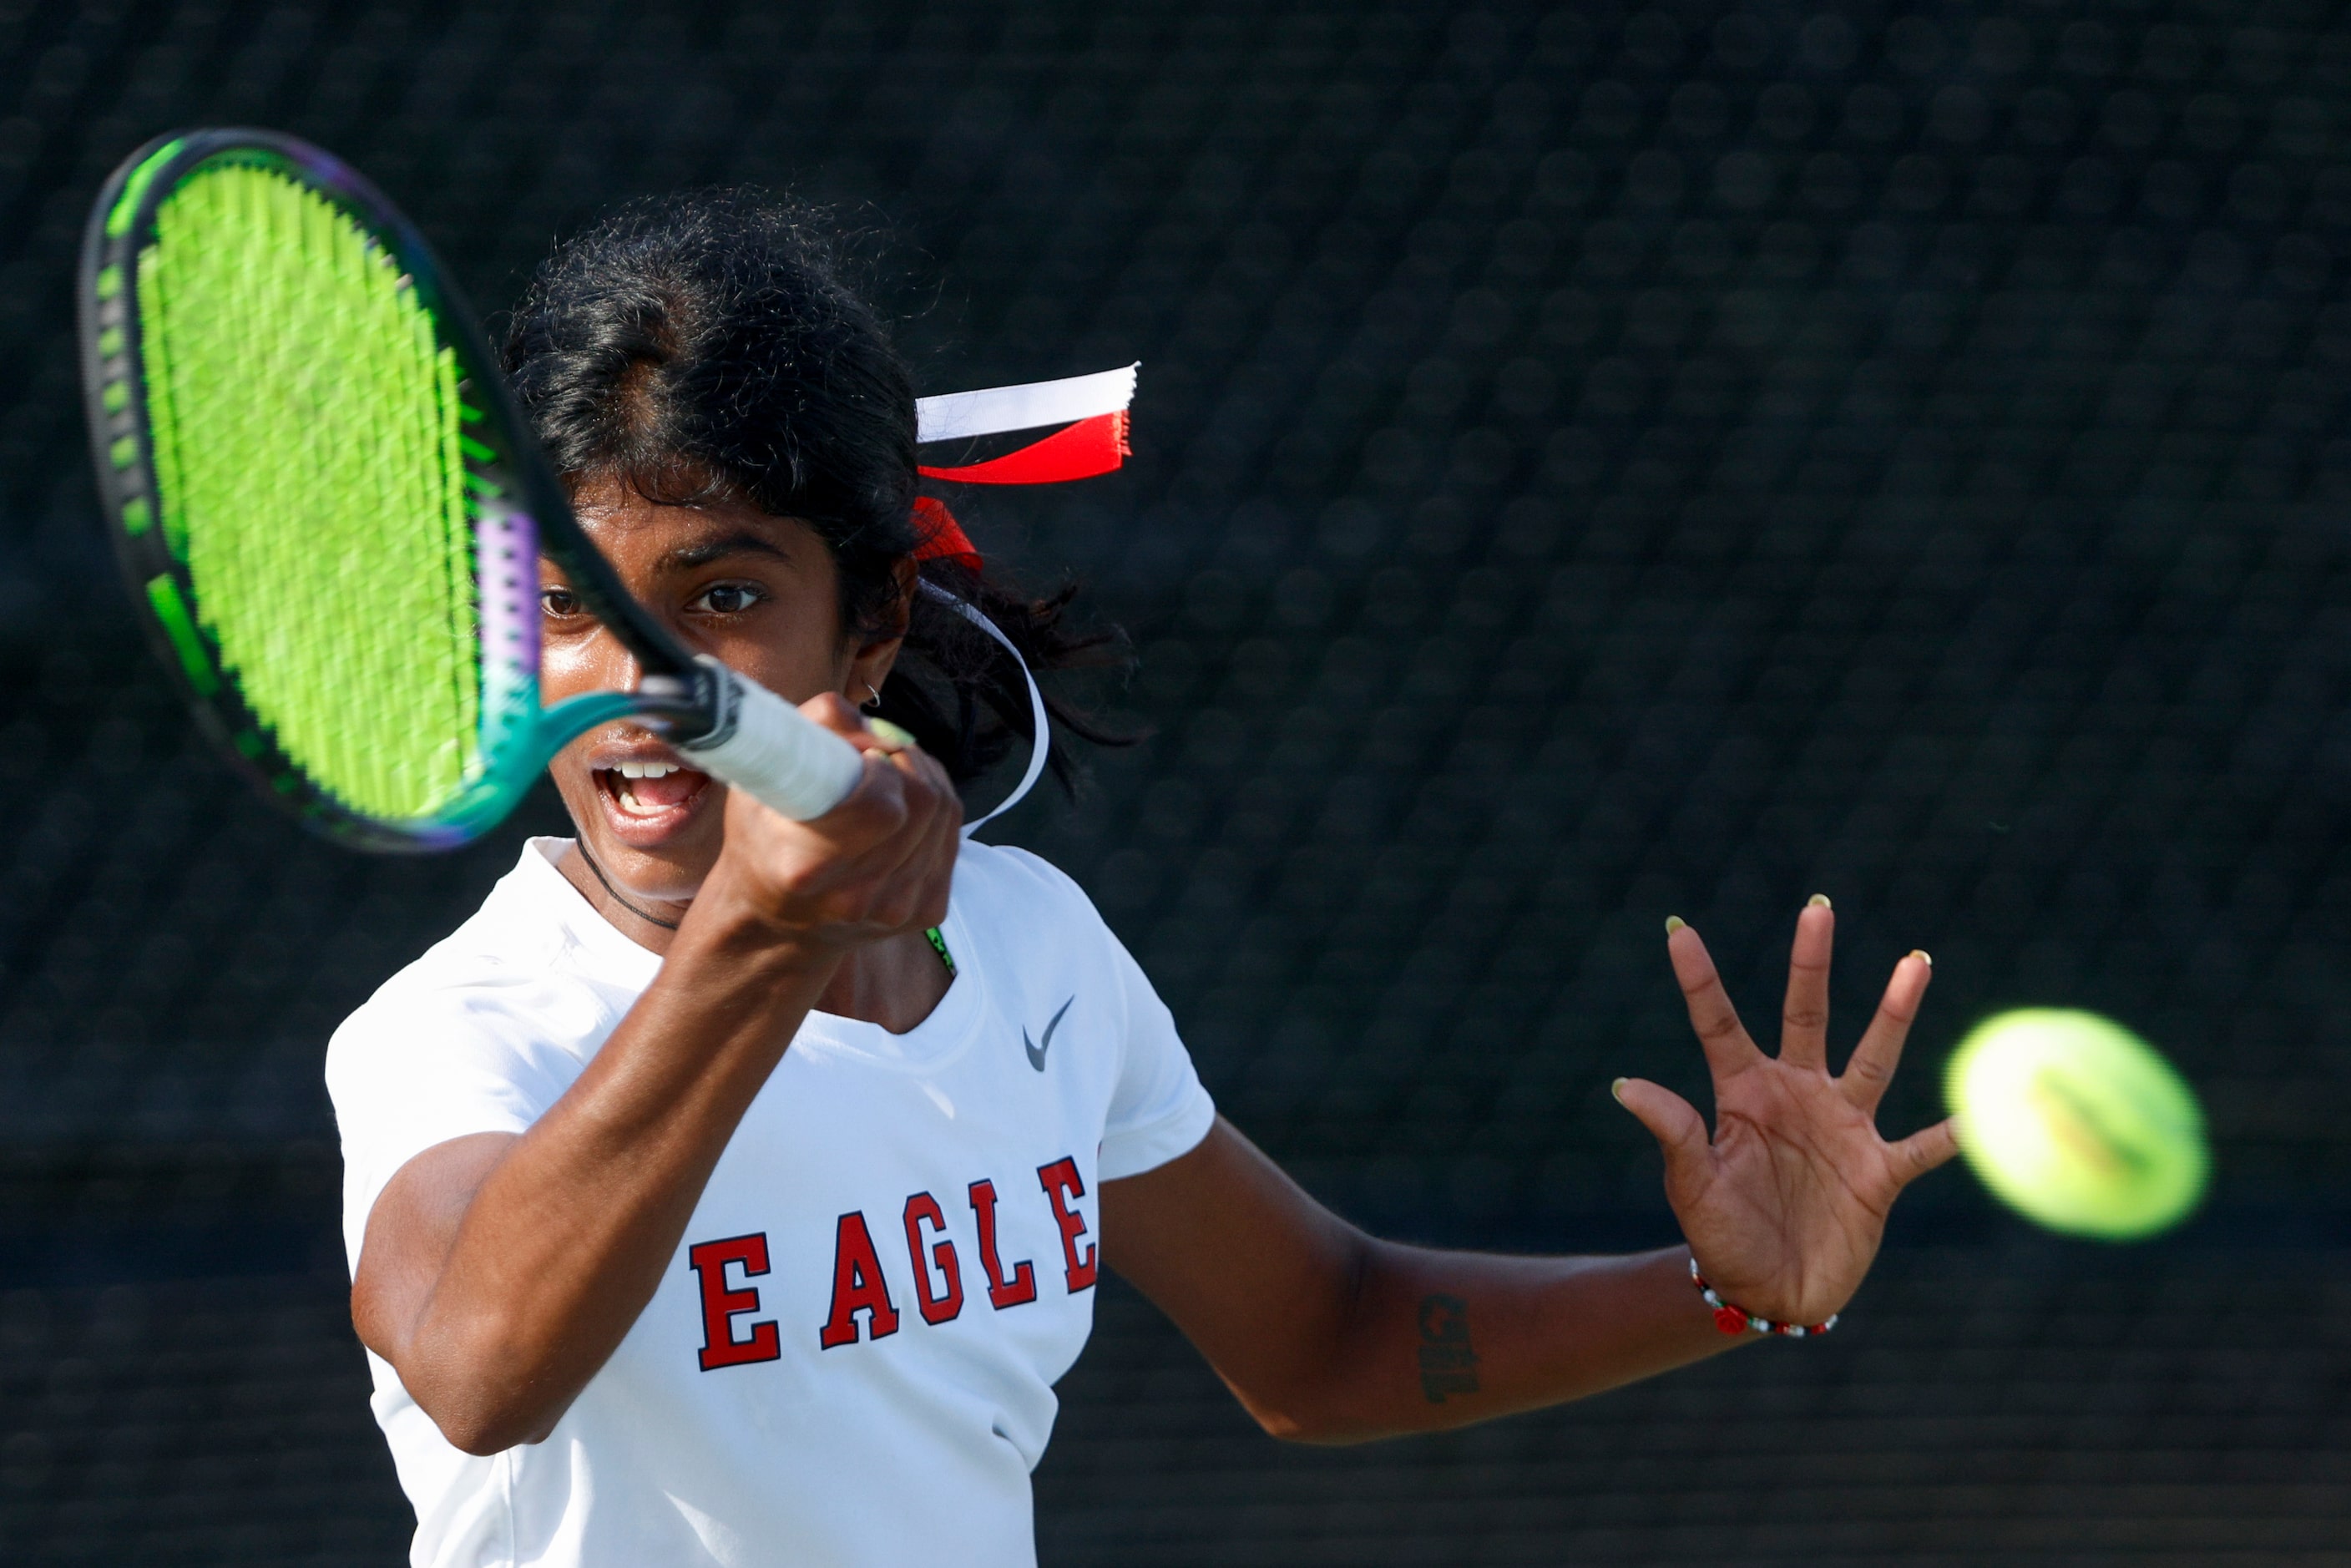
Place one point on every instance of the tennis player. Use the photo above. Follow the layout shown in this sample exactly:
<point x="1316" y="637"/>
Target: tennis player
<point x="731" y="1189"/>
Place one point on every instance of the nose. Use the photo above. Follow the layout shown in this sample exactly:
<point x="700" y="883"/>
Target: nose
<point x="622" y="666"/>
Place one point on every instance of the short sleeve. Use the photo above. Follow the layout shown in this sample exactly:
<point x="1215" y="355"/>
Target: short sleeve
<point x="417" y="1067"/>
<point x="1159" y="1110"/>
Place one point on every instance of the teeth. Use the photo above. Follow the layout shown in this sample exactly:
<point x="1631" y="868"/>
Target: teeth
<point x="634" y="807"/>
<point x="625" y="781"/>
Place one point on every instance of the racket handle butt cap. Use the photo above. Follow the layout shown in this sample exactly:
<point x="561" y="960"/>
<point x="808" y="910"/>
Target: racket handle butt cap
<point x="767" y="748"/>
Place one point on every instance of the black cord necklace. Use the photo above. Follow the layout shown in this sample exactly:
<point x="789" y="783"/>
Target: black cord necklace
<point x="581" y="845"/>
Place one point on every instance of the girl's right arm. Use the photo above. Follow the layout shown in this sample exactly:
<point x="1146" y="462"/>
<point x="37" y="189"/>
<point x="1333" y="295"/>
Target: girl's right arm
<point x="500" y="1270"/>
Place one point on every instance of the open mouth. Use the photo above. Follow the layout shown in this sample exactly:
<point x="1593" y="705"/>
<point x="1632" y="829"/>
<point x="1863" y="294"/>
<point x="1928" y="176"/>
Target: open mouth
<point x="652" y="793"/>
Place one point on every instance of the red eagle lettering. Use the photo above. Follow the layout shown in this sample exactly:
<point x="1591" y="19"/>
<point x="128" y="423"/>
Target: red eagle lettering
<point x="924" y="1209"/>
<point x="1002" y="1292"/>
<point x="1063" y="1186"/>
<point x="721" y="1306"/>
<point x="857" y="1287"/>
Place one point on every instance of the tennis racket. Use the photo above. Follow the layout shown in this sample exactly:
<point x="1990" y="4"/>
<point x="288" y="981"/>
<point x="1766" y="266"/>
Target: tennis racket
<point x="330" y="511"/>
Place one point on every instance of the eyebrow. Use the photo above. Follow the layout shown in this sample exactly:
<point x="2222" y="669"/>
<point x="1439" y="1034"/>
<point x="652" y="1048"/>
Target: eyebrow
<point x="686" y="557"/>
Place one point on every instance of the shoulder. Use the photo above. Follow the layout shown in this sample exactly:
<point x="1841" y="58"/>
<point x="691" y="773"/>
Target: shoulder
<point x="997" y="880"/>
<point x="1031" y="909"/>
<point x="1040" y="929"/>
<point x="499" y="984"/>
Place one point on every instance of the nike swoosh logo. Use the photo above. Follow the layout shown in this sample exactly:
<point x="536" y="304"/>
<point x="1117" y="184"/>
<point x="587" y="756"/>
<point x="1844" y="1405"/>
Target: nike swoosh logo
<point x="1036" y="1052"/>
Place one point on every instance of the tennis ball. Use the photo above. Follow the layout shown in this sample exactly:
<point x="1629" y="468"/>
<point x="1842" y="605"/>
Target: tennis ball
<point x="2077" y="1123"/>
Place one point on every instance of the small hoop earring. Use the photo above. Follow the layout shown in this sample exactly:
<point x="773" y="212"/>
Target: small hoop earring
<point x="872" y="697"/>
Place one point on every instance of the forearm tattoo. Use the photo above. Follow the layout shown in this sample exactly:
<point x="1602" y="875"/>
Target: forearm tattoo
<point x="1448" y="1363"/>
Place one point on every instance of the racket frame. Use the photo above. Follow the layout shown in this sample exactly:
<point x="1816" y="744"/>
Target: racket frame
<point x="521" y="512"/>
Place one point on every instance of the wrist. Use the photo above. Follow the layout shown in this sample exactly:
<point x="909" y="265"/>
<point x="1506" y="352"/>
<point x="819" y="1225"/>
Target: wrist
<point x="1734" y="1320"/>
<point x="728" y="917"/>
<point x="723" y="928"/>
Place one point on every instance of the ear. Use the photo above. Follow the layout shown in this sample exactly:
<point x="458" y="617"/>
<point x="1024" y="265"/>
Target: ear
<point x="871" y="664"/>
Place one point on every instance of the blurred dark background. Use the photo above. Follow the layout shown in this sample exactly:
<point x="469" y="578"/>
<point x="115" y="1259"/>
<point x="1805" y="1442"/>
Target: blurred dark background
<point x="1591" y="464"/>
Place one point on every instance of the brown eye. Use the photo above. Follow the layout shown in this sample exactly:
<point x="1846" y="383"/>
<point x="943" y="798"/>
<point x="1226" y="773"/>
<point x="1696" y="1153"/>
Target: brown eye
<point x="557" y="603"/>
<point x="729" y="598"/>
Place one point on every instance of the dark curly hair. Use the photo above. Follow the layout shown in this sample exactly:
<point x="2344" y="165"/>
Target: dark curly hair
<point x="707" y="345"/>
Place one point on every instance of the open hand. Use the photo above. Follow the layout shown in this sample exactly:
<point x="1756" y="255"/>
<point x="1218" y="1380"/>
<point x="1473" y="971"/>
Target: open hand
<point x="1784" y="1206"/>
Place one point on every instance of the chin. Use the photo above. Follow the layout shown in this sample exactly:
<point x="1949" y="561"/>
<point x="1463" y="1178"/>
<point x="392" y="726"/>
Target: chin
<point x="655" y="837"/>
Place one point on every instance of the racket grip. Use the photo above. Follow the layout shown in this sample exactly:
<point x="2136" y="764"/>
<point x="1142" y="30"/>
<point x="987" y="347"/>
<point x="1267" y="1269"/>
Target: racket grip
<point x="767" y="748"/>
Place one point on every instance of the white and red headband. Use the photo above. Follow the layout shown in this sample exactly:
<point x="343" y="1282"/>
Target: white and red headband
<point x="1089" y="415"/>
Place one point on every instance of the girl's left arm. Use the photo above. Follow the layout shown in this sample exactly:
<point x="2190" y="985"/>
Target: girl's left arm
<point x="1328" y="1334"/>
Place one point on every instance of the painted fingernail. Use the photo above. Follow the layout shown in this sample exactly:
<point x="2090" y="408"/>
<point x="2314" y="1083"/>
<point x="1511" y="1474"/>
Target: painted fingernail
<point x="1923" y="957"/>
<point x="1673" y="923"/>
<point x="1618" y="1089"/>
<point x="890" y="733"/>
<point x="1818" y="901"/>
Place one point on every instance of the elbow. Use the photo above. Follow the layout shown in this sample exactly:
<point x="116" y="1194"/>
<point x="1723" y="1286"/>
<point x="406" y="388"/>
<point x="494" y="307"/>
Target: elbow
<point x="479" y="1438"/>
<point x="487" y="1431"/>
<point x="1327" y="1402"/>
<point x="488" y="1425"/>
<point x="1285" y="1421"/>
<point x="482" y="1403"/>
<point x="1307" y="1430"/>
<point x="1315" y="1422"/>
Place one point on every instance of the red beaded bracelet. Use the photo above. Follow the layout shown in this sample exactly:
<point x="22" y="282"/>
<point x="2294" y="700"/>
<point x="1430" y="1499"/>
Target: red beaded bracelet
<point x="1735" y="1319"/>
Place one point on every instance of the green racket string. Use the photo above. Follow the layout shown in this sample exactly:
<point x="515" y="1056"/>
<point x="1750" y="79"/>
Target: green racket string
<point x="309" y="477"/>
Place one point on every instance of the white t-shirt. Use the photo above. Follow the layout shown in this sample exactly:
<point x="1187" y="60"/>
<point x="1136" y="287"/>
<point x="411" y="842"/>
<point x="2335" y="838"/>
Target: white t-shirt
<point x="851" y="1359"/>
